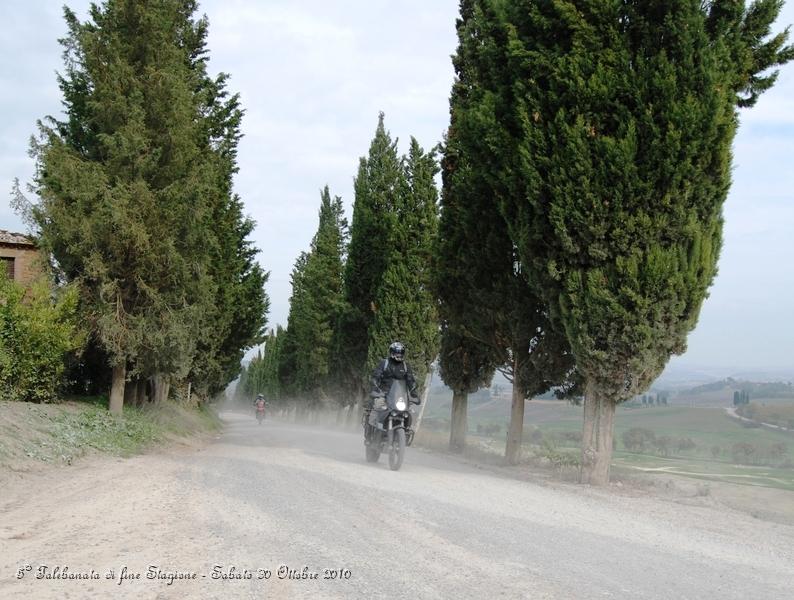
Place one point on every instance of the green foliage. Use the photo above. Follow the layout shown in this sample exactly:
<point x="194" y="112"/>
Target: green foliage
<point x="315" y="307"/>
<point x="379" y="182"/>
<point x="136" y="205"/>
<point x="558" y="458"/>
<point x="609" y="152"/>
<point x="261" y="375"/>
<point x="387" y="281"/>
<point x="38" y="330"/>
<point x="741" y="397"/>
<point x="464" y="363"/>
<point x="65" y="431"/>
<point x="638" y="439"/>
<point x="405" y="306"/>
<point x="486" y="302"/>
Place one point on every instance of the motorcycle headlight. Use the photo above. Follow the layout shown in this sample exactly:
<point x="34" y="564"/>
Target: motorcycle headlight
<point x="400" y="404"/>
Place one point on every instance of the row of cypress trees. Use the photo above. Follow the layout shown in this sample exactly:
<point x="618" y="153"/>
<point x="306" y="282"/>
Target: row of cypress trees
<point x="586" y="166"/>
<point x="135" y="201"/>
<point x="584" y="172"/>
<point x="358" y="289"/>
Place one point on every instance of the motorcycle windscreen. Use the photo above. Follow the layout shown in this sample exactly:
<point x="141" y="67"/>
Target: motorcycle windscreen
<point x="397" y="391"/>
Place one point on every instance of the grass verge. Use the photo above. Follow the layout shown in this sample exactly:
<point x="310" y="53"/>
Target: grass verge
<point x="63" y="432"/>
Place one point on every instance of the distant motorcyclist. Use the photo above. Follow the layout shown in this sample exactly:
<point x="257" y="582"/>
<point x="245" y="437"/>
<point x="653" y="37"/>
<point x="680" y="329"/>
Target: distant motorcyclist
<point x="389" y="369"/>
<point x="259" y="405"/>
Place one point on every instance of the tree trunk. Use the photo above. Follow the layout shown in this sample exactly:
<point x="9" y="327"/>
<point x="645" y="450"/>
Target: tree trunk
<point x="131" y="393"/>
<point x="459" y="425"/>
<point x="117" y="389"/>
<point x="162" y="386"/>
<point x="425" y="396"/>
<point x="599" y="423"/>
<point x="516" y="430"/>
<point x="140" y="392"/>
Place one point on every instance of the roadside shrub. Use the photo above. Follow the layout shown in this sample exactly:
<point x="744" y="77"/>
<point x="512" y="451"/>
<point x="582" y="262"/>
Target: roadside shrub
<point x="662" y="444"/>
<point x="574" y="437"/>
<point x="744" y="453"/>
<point x="38" y="329"/>
<point x="559" y="459"/>
<point x="777" y="451"/>
<point x="716" y="451"/>
<point x="638" y="439"/>
<point x="685" y="444"/>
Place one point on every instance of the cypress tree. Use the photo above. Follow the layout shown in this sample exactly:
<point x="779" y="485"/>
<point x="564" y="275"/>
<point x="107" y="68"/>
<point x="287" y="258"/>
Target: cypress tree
<point x="316" y="304"/>
<point x="240" y="307"/>
<point x="613" y="124"/>
<point x="122" y="183"/>
<point x="272" y="352"/>
<point x="404" y="305"/>
<point x="136" y="199"/>
<point x="506" y="315"/>
<point x="465" y="363"/>
<point x="379" y="180"/>
<point x="290" y="356"/>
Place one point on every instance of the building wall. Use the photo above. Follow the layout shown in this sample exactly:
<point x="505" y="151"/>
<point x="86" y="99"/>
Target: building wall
<point x="27" y="262"/>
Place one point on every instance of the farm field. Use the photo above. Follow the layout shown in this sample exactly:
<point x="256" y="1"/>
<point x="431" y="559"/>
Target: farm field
<point x="715" y="446"/>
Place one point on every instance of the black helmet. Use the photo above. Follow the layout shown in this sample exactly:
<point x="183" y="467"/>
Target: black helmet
<point x="260" y="397"/>
<point x="397" y="351"/>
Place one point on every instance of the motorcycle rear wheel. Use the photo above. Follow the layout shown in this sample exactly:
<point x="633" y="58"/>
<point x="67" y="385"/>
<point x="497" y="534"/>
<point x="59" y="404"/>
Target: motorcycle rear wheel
<point x="397" y="450"/>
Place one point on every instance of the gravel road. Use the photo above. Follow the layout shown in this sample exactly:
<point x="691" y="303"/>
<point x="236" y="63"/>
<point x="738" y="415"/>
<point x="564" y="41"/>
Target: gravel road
<point x="267" y="501"/>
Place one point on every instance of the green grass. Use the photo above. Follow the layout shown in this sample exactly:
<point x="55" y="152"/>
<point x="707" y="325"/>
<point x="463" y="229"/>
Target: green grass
<point x="62" y="432"/>
<point x="707" y="426"/>
<point x="708" y="470"/>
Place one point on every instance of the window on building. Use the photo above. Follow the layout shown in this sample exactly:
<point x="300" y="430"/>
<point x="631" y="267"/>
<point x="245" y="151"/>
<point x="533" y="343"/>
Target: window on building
<point x="8" y="265"/>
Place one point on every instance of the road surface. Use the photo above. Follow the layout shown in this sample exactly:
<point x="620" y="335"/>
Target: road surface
<point x="267" y="501"/>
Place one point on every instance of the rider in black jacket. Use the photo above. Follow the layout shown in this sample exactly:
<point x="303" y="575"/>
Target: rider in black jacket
<point x="393" y="368"/>
<point x="389" y="369"/>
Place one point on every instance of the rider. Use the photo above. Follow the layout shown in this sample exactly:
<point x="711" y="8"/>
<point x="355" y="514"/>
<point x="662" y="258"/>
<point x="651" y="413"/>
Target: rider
<point x="259" y="403"/>
<point x="389" y="369"/>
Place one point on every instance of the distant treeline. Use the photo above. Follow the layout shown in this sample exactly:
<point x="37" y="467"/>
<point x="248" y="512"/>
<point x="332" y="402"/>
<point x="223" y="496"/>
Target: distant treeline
<point x="777" y="389"/>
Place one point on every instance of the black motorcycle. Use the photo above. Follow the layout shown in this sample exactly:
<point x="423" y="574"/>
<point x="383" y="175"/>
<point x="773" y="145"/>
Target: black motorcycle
<point x="389" y="425"/>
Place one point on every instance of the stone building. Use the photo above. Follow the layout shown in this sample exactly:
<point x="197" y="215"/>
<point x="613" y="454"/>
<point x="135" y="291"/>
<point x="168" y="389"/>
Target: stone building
<point x="19" y="257"/>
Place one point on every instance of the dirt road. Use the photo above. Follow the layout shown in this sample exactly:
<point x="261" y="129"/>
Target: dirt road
<point x="267" y="501"/>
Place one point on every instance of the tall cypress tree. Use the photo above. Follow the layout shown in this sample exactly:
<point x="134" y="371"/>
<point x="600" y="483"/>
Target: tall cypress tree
<point x="378" y="183"/>
<point x="290" y="356"/>
<point x="614" y="124"/>
<point x="316" y="304"/>
<point x="465" y="364"/>
<point x="136" y="199"/>
<point x="507" y="316"/>
<point x="405" y="305"/>
<point x="240" y="307"/>
<point x="122" y="185"/>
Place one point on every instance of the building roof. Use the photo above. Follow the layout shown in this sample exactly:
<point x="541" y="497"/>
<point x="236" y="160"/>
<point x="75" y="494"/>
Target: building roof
<point x="16" y="239"/>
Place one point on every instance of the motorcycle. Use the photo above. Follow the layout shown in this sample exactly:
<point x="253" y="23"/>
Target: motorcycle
<point x="389" y="426"/>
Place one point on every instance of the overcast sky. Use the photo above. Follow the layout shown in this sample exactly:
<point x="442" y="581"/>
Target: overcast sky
<point x="313" y="76"/>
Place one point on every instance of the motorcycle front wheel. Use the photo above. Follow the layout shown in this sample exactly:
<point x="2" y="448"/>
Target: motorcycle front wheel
<point x="397" y="450"/>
